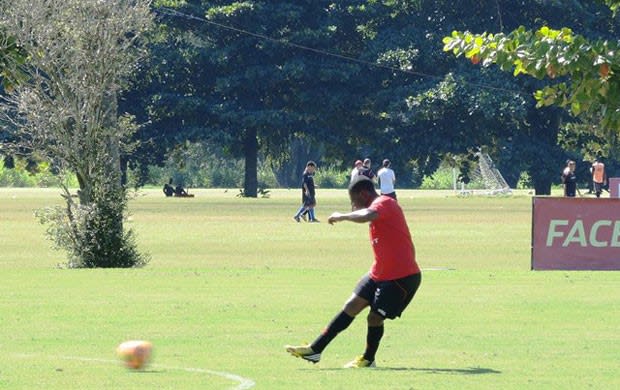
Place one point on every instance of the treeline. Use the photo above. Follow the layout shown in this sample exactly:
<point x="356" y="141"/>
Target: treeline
<point x="242" y="94"/>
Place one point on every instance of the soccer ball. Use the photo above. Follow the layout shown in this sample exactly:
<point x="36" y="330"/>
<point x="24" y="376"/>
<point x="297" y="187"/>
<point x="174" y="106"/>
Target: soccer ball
<point x="135" y="353"/>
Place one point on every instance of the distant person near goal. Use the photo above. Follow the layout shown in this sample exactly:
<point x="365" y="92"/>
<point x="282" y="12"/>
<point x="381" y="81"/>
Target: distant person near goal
<point x="387" y="179"/>
<point x="599" y="178"/>
<point x="387" y="288"/>
<point x="569" y="180"/>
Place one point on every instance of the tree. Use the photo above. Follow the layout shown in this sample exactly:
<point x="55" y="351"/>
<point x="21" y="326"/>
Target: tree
<point x="355" y="78"/>
<point x="80" y="53"/>
<point x="479" y="108"/>
<point x="436" y="107"/>
<point x="582" y="72"/>
<point x="233" y="78"/>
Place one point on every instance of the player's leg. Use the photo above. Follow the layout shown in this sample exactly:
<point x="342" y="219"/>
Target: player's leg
<point x="340" y="322"/>
<point x="299" y="212"/>
<point x="359" y="300"/>
<point x="391" y="299"/>
<point x="311" y="206"/>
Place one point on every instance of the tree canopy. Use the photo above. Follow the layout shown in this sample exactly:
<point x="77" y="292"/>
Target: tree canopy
<point x="582" y="72"/>
<point x="344" y="80"/>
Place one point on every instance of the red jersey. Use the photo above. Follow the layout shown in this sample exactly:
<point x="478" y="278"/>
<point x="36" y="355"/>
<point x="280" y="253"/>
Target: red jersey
<point x="391" y="242"/>
<point x="598" y="172"/>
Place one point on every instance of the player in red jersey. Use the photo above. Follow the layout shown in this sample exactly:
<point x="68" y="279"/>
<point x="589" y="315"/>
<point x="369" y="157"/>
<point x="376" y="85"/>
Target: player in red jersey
<point x="388" y="287"/>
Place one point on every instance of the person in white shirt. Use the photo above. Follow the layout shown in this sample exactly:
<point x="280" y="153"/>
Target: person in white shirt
<point x="387" y="178"/>
<point x="356" y="169"/>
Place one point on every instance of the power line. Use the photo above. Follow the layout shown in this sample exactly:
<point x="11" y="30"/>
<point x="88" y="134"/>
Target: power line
<point x="173" y="12"/>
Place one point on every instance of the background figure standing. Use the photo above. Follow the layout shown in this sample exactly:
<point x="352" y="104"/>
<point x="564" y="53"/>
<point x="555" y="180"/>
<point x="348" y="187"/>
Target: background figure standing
<point x="387" y="178"/>
<point x="569" y="180"/>
<point x="387" y="288"/>
<point x="356" y="169"/>
<point x="308" y="198"/>
<point x="367" y="171"/>
<point x="598" y="176"/>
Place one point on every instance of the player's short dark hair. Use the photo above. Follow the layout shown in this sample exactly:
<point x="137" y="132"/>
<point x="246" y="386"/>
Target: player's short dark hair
<point x="361" y="183"/>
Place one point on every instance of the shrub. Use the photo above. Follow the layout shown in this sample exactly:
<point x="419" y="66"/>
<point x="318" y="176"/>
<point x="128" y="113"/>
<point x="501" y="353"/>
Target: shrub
<point x="331" y="177"/>
<point x="41" y="175"/>
<point x="442" y="179"/>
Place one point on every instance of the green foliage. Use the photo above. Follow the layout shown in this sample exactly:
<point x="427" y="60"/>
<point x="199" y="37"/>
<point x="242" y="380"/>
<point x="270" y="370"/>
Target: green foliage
<point x="11" y="54"/>
<point x="93" y="233"/>
<point x="371" y="82"/>
<point x="80" y="55"/>
<point x="331" y="176"/>
<point x="200" y="165"/>
<point x="614" y="5"/>
<point x="589" y="64"/>
<point x="41" y="176"/>
<point x="442" y="179"/>
<point x="525" y="181"/>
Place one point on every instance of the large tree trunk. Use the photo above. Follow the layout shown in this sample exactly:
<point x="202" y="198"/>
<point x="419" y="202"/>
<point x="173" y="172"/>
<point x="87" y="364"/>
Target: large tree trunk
<point x="250" y="151"/>
<point x="542" y="183"/>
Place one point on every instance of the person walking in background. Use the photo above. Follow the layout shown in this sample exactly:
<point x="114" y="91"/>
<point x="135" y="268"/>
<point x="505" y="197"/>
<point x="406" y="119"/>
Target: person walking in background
<point x="387" y="288"/>
<point x="599" y="178"/>
<point x="308" y="198"/>
<point x="356" y="169"/>
<point x="569" y="180"/>
<point x="387" y="179"/>
<point x="367" y="171"/>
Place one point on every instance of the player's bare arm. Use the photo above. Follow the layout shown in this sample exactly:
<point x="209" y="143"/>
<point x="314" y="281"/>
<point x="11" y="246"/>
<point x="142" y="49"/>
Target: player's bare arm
<point x="359" y="216"/>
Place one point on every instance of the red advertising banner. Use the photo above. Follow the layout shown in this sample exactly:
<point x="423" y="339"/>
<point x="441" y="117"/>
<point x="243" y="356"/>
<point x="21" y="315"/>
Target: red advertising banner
<point x="614" y="187"/>
<point x="575" y="233"/>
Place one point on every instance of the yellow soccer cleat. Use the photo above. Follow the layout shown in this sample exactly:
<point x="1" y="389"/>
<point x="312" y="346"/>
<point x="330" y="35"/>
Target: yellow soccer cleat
<point x="360" y="362"/>
<point x="304" y="352"/>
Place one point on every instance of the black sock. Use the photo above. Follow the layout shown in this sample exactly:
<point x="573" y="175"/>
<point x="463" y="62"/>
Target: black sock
<point x="373" y="338"/>
<point x="338" y="324"/>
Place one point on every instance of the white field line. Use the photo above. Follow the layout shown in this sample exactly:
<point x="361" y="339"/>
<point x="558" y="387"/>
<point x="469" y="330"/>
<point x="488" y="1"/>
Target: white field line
<point x="243" y="383"/>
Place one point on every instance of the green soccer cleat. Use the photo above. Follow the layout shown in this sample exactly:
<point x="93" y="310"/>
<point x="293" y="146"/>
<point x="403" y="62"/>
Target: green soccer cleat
<point x="304" y="352"/>
<point x="360" y="362"/>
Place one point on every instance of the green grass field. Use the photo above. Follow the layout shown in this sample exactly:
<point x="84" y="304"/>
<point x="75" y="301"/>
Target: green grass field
<point x="231" y="281"/>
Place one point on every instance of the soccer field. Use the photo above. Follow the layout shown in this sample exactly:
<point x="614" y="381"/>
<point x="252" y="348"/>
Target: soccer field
<point x="232" y="280"/>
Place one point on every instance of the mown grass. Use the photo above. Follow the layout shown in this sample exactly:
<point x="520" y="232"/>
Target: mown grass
<point x="232" y="280"/>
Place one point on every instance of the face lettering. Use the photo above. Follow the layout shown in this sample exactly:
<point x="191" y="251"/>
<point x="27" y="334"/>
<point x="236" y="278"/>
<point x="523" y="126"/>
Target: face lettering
<point x="601" y="234"/>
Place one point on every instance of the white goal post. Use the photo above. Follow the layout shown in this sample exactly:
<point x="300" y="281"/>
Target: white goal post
<point x="485" y="179"/>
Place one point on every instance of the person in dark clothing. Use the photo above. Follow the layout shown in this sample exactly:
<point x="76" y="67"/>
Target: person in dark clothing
<point x="569" y="180"/>
<point x="308" y="194"/>
<point x="180" y="191"/>
<point x="367" y="171"/>
<point x="168" y="189"/>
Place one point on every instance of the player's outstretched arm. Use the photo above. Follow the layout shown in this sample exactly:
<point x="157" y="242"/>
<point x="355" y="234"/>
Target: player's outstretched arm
<point x="359" y="216"/>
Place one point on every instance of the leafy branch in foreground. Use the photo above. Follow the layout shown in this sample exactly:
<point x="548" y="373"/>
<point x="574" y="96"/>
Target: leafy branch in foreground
<point x="584" y="72"/>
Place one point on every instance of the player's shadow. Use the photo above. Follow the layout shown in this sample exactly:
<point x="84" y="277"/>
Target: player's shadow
<point x="446" y="371"/>
<point x="455" y="371"/>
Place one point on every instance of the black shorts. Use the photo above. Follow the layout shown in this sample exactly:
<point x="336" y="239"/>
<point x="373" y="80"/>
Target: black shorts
<point x="309" y="201"/>
<point x="388" y="298"/>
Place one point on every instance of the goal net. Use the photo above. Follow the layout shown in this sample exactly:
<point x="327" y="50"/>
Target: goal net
<point x="485" y="179"/>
